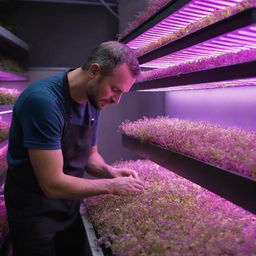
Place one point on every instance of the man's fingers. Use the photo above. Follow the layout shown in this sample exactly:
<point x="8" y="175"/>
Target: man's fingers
<point x="134" y="174"/>
<point x="140" y="187"/>
<point x="140" y="182"/>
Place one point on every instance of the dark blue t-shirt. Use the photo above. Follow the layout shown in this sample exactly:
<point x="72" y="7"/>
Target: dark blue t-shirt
<point x="39" y="119"/>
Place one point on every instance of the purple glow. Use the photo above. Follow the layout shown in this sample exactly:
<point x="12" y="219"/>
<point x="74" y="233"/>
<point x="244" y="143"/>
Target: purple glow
<point x="172" y="217"/>
<point x="4" y="125"/>
<point x="7" y="91"/>
<point x="222" y="84"/>
<point x="5" y="112"/>
<point x="229" y="148"/>
<point x="3" y="151"/>
<point x="4" y="76"/>
<point x="241" y="39"/>
<point x="191" y="13"/>
<point x="3" y="161"/>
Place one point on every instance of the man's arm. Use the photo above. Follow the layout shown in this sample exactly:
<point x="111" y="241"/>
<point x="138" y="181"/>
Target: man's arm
<point x="99" y="168"/>
<point x="48" y="168"/>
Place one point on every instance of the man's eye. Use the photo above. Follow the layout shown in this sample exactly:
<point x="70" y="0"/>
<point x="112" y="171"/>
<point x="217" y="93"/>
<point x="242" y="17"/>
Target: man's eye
<point x="115" y="89"/>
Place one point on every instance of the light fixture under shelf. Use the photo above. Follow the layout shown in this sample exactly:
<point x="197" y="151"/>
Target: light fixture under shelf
<point x="233" y="75"/>
<point x="235" y="41"/>
<point x="187" y="19"/>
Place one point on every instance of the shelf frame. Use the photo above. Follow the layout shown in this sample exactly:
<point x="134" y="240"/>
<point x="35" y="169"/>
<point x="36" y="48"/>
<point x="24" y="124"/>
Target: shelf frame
<point x="11" y="46"/>
<point x="7" y="108"/>
<point x="237" y="71"/>
<point x="242" y="19"/>
<point x="12" y="39"/>
<point x="92" y="248"/>
<point x="237" y="188"/>
<point x="161" y="14"/>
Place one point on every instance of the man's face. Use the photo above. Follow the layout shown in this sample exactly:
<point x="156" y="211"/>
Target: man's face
<point x="109" y="89"/>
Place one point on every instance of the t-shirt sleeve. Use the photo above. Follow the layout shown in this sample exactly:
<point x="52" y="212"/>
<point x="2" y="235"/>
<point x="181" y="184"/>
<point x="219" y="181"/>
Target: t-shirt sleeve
<point x="41" y="123"/>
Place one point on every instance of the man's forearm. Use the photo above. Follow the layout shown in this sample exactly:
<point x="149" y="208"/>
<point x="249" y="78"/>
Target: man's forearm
<point x="98" y="167"/>
<point x="70" y="187"/>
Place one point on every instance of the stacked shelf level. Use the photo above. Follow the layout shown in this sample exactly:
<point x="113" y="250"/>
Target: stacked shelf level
<point x="12" y="48"/>
<point x="225" y="36"/>
<point x="13" y="51"/>
<point x="232" y="186"/>
<point x="233" y="35"/>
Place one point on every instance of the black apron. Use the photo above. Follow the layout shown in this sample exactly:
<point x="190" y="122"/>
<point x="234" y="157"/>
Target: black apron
<point x="30" y="212"/>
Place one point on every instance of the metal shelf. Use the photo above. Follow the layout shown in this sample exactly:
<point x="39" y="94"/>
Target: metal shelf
<point x="6" y="108"/>
<point x="12" y="46"/>
<point x="238" y="71"/>
<point x="7" y="36"/>
<point x="92" y="248"/>
<point x="11" y="77"/>
<point x="229" y="24"/>
<point x="230" y="185"/>
<point x="161" y="14"/>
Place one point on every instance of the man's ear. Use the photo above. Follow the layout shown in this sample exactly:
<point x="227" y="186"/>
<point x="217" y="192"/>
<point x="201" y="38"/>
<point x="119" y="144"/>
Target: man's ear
<point x="94" y="70"/>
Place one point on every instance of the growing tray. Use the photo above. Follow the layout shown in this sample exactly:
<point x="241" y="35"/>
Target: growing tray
<point x="230" y="185"/>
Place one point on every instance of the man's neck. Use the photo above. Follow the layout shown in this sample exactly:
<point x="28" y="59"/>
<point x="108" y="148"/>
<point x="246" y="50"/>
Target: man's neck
<point x="77" y="80"/>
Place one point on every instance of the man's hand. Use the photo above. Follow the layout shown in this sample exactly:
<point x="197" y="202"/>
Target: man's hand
<point x="123" y="172"/>
<point x="126" y="186"/>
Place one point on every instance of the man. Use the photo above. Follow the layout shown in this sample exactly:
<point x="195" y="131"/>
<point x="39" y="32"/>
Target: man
<point x="53" y="141"/>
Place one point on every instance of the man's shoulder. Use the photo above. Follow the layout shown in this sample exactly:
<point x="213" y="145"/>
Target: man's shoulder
<point x="47" y="91"/>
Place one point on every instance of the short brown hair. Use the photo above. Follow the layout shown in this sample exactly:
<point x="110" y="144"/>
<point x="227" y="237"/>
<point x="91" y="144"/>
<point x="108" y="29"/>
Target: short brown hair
<point x="110" y="55"/>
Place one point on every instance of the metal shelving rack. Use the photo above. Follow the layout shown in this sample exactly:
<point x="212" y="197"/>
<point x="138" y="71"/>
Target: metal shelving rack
<point x="232" y="186"/>
<point x="161" y="14"/>
<point x="92" y="247"/>
<point x="238" y="71"/>
<point x="13" y="45"/>
<point x="14" y="48"/>
<point x="229" y="24"/>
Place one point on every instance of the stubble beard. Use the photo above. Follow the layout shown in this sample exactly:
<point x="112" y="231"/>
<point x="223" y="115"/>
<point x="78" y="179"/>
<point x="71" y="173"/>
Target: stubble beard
<point x="93" y="100"/>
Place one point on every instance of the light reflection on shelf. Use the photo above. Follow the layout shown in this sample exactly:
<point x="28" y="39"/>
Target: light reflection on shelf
<point x="191" y="13"/>
<point x="240" y="39"/>
<point x="212" y="85"/>
<point x="5" y="76"/>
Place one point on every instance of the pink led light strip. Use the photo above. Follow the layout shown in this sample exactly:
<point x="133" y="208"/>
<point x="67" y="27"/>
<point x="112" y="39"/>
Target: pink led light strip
<point x="222" y="84"/>
<point x="234" y="41"/>
<point x="182" y="18"/>
<point x="4" y="76"/>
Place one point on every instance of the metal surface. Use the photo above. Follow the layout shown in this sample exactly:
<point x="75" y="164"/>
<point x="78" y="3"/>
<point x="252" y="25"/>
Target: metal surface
<point x="183" y="17"/>
<point x="11" y="46"/>
<point x="232" y="186"/>
<point x="82" y="2"/>
<point x="239" y="71"/>
<point x="223" y="84"/>
<point x="12" y="39"/>
<point x="232" y="42"/>
<point x="215" y="36"/>
<point x="108" y="8"/>
<point x="164" y="12"/>
<point x="93" y="249"/>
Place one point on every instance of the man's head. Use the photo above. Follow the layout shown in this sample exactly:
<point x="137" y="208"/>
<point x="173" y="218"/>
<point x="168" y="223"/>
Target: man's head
<point x="112" y="69"/>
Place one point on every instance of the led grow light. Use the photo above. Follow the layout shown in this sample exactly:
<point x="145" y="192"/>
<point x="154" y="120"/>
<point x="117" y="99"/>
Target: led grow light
<point x="235" y="41"/>
<point x="4" y="76"/>
<point x="5" y="112"/>
<point x="191" y="13"/>
<point x="222" y="84"/>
